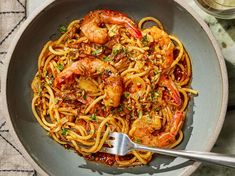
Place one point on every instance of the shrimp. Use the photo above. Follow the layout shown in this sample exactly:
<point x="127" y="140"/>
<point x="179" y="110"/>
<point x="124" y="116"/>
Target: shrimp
<point x="170" y="85"/>
<point x="146" y="132"/>
<point x="92" y="30"/>
<point x="113" y="87"/>
<point x="166" y="46"/>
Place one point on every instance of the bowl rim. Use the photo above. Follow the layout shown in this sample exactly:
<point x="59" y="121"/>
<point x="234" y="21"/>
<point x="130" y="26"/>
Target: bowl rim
<point x="187" y="170"/>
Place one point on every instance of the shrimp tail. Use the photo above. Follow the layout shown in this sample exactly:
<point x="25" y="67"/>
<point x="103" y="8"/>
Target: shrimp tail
<point x="92" y="22"/>
<point x="115" y="17"/>
<point x="134" y="31"/>
<point x="166" y="138"/>
<point x="177" y="122"/>
<point x="169" y="84"/>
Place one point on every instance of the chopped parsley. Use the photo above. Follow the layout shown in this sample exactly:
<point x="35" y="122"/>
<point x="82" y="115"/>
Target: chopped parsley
<point x="145" y="40"/>
<point x="126" y="94"/>
<point x="124" y="50"/>
<point x="156" y="71"/>
<point x="93" y="117"/>
<point x="115" y="52"/>
<point x="56" y="100"/>
<point x="117" y="49"/>
<point x="113" y="111"/>
<point x="120" y="109"/>
<point x="62" y="29"/>
<point x="154" y="95"/>
<point x="50" y="81"/>
<point x="38" y="76"/>
<point x="157" y="109"/>
<point x="100" y="74"/>
<point x="84" y="95"/>
<point x="106" y="59"/>
<point x="140" y="114"/>
<point x="64" y="131"/>
<point x="137" y="140"/>
<point x="149" y="116"/>
<point x="39" y="89"/>
<point x="149" y="121"/>
<point x="60" y="67"/>
<point x="97" y="52"/>
<point x="157" y="94"/>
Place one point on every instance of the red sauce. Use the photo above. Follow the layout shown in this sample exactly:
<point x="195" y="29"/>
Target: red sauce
<point x="106" y="158"/>
<point x="178" y="73"/>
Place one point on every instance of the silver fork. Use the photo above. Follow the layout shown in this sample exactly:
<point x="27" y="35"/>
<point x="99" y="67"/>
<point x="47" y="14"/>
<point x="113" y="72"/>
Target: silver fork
<point x="122" y="144"/>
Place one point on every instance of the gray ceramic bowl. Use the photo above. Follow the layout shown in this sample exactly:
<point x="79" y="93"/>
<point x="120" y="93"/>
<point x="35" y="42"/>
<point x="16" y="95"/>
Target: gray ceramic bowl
<point x="206" y="112"/>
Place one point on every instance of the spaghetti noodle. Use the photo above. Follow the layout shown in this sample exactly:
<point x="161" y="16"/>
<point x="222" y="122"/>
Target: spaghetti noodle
<point x="105" y="74"/>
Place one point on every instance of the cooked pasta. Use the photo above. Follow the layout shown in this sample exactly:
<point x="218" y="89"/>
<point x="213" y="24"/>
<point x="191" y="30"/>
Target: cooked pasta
<point x="106" y="74"/>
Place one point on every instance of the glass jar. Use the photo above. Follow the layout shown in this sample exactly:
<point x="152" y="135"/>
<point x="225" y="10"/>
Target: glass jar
<point x="224" y="9"/>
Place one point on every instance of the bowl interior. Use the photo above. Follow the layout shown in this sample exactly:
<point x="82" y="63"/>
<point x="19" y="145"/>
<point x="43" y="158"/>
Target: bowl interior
<point x="204" y="111"/>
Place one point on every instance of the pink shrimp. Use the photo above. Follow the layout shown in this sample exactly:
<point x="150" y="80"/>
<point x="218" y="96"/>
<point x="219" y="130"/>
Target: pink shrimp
<point x="113" y="87"/>
<point x="166" y="138"/>
<point x="145" y="132"/>
<point x="165" y="44"/>
<point x="170" y="85"/>
<point x="92" y="30"/>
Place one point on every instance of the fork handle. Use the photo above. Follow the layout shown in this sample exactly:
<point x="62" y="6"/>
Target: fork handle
<point x="209" y="157"/>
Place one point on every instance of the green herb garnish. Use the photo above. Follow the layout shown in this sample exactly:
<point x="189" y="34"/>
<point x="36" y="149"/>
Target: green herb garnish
<point x="93" y="117"/>
<point x="157" y="109"/>
<point x="124" y="50"/>
<point x="39" y="89"/>
<point x="60" y="67"/>
<point x="154" y="95"/>
<point x="140" y="114"/>
<point x="64" y="131"/>
<point x="56" y="100"/>
<point x="97" y="52"/>
<point x="156" y="71"/>
<point x="149" y="116"/>
<point x="106" y="59"/>
<point x="129" y="108"/>
<point x="50" y="81"/>
<point x="118" y="49"/>
<point x="137" y="140"/>
<point x="38" y="76"/>
<point x="120" y="109"/>
<point x="113" y="111"/>
<point x="126" y="94"/>
<point x="84" y="95"/>
<point x="62" y="29"/>
<point x="115" y="52"/>
<point x="145" y="40"/>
